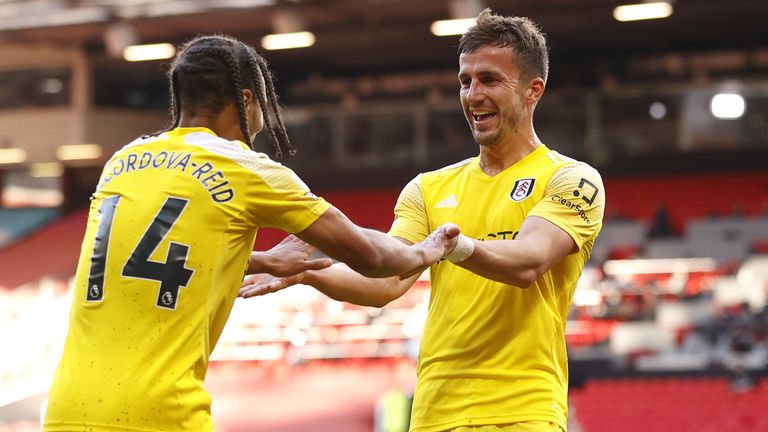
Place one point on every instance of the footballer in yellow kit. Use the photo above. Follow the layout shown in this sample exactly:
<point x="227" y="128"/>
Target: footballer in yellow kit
<point x="169" y="235"/>
<point x="493" y="353"/>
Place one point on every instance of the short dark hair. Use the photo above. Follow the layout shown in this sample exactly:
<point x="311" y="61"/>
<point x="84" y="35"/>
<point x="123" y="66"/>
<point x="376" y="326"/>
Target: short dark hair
<point x="519" y="33"/>
<point x="211" y="71"/>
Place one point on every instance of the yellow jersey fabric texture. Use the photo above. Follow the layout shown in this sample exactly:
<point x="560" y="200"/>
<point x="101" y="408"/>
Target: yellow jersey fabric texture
<point x="492" y="353"/>
<point x="171" y="227"/>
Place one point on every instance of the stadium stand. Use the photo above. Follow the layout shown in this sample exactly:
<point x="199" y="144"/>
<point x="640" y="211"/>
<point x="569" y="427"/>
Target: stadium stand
<point x="61" y="242"/>
<point x="669" y="327"/>
<point x="668" y="404"/>
<point x="650" y="304"/>
<point x="16" y="223"/>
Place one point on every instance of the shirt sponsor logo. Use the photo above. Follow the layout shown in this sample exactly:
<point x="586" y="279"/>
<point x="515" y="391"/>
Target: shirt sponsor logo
<point x="522" y="189"/>
<point x="575" y="207"/>
<point x="586" y="190"/>
<point x="501" y="235"/>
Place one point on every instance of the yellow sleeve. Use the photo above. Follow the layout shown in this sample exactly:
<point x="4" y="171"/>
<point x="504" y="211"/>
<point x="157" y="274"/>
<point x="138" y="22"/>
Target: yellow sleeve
<point x="279" y="199"/>
<point x="574" y="201"/>
<point x="411" y="221"/>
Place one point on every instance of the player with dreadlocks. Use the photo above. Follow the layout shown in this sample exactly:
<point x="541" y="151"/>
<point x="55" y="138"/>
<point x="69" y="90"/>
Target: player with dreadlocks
<point x="169" y="236"/>
<point x="200" y="65"/>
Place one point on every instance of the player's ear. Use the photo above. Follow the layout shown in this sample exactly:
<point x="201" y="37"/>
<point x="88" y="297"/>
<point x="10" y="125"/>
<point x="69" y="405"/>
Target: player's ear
<point x="248" y="98"/>
<point x="535" y="90"/>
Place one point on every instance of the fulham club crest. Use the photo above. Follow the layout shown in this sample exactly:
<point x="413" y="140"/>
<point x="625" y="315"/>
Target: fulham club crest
<point x="522" y="189"/>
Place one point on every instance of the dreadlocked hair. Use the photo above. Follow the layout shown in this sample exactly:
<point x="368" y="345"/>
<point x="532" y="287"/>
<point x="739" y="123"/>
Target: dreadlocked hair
<point x="261" y="75"/>
<point x="211" y="71"/>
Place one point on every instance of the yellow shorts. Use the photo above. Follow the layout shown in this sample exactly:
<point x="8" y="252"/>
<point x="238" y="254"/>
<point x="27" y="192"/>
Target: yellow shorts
<point x="529" y="426"/>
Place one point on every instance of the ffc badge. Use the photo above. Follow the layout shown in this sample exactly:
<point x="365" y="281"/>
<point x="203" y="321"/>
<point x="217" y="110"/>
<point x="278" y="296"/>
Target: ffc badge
<point x="522" y="189"/>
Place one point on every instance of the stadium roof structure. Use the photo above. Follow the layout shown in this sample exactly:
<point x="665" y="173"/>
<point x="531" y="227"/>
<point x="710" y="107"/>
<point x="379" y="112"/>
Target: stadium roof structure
<point x="363" y="35"/>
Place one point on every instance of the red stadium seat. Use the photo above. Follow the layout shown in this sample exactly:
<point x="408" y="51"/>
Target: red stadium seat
<point x="674" y="404"/>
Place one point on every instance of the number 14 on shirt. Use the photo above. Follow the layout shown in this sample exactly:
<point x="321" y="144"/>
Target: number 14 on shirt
<point x="172" y="274"/>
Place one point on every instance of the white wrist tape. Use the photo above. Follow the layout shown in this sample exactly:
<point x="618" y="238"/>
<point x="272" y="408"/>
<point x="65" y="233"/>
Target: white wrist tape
<point x="463" y="250"/>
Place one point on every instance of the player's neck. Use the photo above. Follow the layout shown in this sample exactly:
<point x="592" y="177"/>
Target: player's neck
<point x="225" y="124"/>
<point x="499" y="156"/>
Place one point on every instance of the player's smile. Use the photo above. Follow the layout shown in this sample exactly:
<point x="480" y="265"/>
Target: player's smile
<point x="484" y="118"/>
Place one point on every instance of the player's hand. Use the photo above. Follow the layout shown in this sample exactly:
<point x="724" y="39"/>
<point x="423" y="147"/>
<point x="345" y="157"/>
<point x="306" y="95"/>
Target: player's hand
<point x="261" y="283"/>
<point x="287" y="258"/>
<point x="440" y="243"/>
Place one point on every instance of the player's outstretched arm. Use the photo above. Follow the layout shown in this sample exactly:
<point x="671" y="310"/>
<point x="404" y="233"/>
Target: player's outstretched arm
<point x="338" y="282"/>
<point x="520" y="262"/>
<point x="289" y="257"/>
<point x="375" y="254"/>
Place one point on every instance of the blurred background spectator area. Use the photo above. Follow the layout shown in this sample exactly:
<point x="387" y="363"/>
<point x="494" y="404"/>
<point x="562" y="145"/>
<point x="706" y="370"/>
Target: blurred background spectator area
<point x="669" y="317"/>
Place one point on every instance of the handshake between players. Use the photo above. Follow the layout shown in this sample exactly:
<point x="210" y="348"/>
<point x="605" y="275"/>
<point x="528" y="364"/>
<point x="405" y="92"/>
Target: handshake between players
<point x="287" y="263"/>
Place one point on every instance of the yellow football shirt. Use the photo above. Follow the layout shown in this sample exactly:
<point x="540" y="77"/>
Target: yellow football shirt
<point x="493" y="353"/>
<point x="170" y="229"/>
